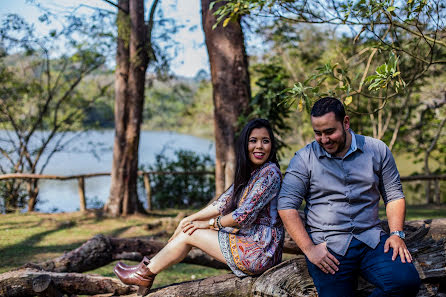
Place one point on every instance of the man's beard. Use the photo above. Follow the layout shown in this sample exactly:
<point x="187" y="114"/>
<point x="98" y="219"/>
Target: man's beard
<point x="341" y="147"/>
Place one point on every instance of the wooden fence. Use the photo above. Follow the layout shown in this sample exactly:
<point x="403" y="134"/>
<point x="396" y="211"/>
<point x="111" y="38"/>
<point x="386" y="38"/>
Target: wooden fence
<point x="81" y="181"/>
<point x="146" y="177"/>
<point x="428" y="178"/>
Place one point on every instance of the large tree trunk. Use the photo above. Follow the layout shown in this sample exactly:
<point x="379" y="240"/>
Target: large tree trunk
<point x="120" y="163"/>
<point x="132" y="58"/>
<point x="231" y="89"/>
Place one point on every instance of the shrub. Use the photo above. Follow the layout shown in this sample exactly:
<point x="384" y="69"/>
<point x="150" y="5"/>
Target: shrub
<point x="182" y="190"/>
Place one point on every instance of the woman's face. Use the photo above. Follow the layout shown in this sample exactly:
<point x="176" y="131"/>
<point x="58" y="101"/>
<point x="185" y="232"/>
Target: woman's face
<point x="259" y="146"/>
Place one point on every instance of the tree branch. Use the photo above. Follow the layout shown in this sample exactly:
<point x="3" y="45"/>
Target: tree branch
<point x="117" y="6"/>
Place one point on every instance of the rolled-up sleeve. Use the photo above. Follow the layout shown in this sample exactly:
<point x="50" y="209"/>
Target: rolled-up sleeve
<point x="390" y="183"/>
<point x="223" y="201"/>
<point x="265" y="188"/>
<point x="295" y="184"/>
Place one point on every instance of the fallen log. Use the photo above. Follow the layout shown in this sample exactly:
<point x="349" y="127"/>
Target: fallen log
<point x="289" y="278"/>
<point x="227" y="285"/>
<point x="32" y="282"/>
<point x="437" y="227"/>
<point x="102" y="250"/>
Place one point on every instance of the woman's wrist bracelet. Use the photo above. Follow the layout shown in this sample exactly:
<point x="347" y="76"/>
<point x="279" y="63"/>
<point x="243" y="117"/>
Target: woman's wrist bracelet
<point x="218" y="222"/>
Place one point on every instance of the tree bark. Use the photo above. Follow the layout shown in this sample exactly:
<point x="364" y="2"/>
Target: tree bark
<point x="119" y="173"/>
<point x="33" y="191"/>
<point x="33" y="282"/>
<point x="134" y="51"/>
<point x="227" y="285"/>
<point x="231" y="89"/>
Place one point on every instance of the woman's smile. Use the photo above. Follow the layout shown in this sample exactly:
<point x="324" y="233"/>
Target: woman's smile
<point x="259" y="146"/>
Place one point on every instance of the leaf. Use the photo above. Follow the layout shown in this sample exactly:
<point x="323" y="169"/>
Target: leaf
<point x="391" y="8"/>
<point x="225" y="23"/>
<point x="409" y="1"/>
<point x="348" y="100"/>
<point x="300" y="107"/>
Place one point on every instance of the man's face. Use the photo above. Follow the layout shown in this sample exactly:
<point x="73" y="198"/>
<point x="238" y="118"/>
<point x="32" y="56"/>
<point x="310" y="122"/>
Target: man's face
<point x="330" y="133"/>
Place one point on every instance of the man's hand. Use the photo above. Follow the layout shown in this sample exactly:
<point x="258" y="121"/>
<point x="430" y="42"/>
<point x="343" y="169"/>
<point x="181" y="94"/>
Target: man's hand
<point x="399" y="247"/>
<point x="322" y="258"/>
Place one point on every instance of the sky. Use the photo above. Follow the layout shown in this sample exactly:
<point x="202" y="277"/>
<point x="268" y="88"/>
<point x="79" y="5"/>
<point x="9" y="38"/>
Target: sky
<point x="191" y="55"/>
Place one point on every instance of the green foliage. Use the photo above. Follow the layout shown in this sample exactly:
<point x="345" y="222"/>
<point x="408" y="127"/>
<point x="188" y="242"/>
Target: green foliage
<point x="182" y="190"/>
<point x="166" y="104"/>
<point x="12" y="196"/>
<point x="385" y="75"/>
<point x="381" y="58"/>
<point x="180" y="105"/>
<point x="410" y="30"/>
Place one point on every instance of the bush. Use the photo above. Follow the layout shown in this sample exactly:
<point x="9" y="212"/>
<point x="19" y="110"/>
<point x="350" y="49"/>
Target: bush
<point x="182" y="190"/>
<point x="13" y="196"/>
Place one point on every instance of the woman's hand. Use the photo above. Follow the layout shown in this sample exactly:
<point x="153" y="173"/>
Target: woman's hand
<point x="183" y="223"/>
<point x="192" y="226"/>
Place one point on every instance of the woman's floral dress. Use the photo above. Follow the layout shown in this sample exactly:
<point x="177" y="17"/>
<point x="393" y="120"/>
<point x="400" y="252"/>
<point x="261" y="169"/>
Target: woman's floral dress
<point x="258" y="244"/>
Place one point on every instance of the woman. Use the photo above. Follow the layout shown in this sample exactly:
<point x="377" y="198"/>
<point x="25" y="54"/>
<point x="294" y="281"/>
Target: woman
<point x="241" y="228"/>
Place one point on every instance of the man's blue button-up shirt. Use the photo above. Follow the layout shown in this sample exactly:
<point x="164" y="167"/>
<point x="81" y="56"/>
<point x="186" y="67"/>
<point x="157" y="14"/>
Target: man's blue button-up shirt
<point x="342" y="194"/>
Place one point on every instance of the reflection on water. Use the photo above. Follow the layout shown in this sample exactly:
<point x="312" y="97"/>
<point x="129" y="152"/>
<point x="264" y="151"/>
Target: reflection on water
<point x="92" y="152"/>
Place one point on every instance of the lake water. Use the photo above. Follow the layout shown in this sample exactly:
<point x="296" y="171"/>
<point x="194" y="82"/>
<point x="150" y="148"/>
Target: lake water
<point x="92" y="152"/>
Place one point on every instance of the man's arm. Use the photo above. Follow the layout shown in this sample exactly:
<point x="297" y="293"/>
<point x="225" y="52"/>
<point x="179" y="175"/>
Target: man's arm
<point x="396" y="212"/>
<point x="392" y="193"/>
<point x="317" y="254"/>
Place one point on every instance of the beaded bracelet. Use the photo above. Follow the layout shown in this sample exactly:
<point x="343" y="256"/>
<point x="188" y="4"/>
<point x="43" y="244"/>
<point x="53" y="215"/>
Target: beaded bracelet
<point x="219" y="225"/>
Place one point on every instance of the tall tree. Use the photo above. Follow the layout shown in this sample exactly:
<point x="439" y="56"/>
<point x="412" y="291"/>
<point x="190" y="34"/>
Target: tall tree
<point x="134" y="54"/>
<point x="231" y="87"/>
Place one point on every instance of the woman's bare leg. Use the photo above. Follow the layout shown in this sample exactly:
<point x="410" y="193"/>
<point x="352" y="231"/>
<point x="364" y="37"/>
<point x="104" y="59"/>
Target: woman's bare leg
<point x="177" y="249"/>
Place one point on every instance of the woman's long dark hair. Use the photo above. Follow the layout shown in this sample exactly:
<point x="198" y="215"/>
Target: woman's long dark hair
<point x="244" y="167"/>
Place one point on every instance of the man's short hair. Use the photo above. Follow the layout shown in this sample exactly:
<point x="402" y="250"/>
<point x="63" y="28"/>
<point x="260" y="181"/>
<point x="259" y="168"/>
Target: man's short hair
<point x="326" y="105"/>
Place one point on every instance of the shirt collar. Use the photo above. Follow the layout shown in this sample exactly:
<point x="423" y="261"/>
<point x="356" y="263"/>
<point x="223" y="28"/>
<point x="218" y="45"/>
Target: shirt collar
<point x="357" y="143"/>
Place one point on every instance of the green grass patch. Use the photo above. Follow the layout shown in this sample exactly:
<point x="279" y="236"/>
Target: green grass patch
<point x="38" y="237"/>
<point x="419" y="212"/>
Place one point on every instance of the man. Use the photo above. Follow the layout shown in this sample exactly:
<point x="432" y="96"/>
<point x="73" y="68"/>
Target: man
<point x="341" y="176"/>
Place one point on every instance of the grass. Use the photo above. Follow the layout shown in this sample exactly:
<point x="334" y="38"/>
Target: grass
<point x="420" y="212"/>
<point x="37" y="237"/>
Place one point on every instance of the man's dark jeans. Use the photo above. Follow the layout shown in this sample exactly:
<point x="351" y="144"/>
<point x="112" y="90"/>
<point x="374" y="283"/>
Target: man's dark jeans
<point x="391" y="278"/>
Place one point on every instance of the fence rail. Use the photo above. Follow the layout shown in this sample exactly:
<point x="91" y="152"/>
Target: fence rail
<point x="146" y="177"/>
<point x="81" y="181"/>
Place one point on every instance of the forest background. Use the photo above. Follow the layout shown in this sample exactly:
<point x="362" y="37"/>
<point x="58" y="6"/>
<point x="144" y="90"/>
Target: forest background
<point x="291" y="63"/>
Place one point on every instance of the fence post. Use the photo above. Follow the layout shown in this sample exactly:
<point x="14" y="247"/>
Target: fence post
<point x="148" y="190"/>
<point x="437" y="191"/>
<point x="81" y="189"/>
